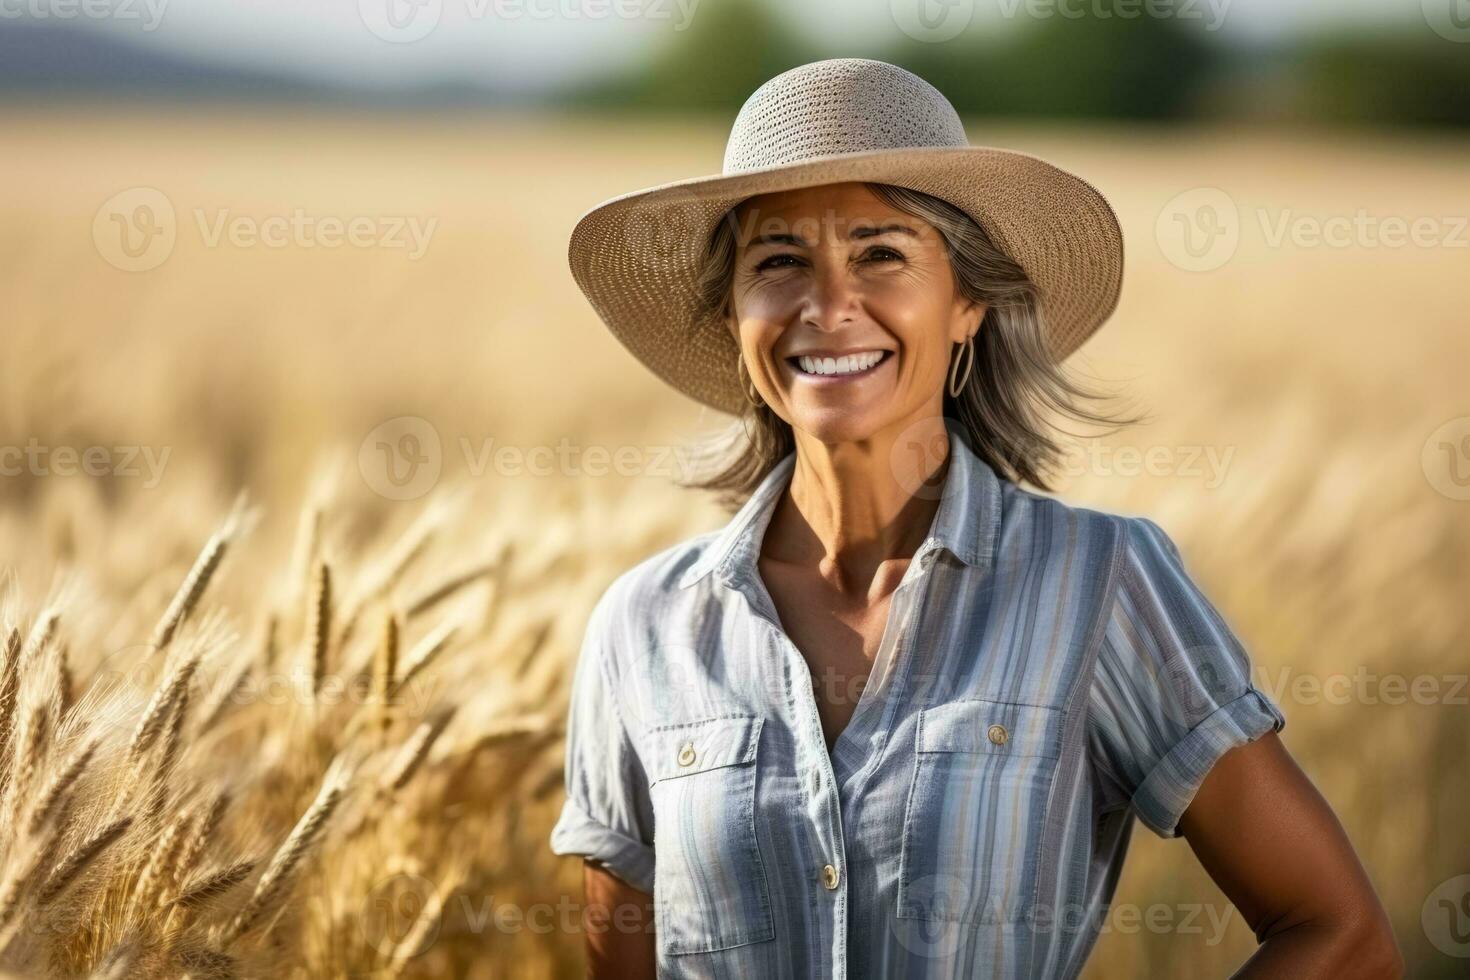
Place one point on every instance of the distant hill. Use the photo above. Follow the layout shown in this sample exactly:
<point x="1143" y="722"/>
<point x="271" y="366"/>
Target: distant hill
<point x="54" y="60"/>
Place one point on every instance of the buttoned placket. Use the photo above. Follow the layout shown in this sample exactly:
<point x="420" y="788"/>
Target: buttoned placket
<point x="833" y="873"/>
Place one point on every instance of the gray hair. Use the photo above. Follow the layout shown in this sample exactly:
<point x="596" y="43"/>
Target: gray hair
<point x="1000" y="409"/>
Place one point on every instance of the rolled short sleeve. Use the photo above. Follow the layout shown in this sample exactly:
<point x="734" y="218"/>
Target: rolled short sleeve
<point x="1172" y="691"/>
<point x="607" y="816"/>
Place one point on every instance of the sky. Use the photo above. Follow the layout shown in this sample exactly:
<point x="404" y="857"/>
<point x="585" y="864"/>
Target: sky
<point x="533" y="44"/>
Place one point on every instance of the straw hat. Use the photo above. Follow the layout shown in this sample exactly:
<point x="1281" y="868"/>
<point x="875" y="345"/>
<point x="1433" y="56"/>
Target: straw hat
<point x="844" y="119"/>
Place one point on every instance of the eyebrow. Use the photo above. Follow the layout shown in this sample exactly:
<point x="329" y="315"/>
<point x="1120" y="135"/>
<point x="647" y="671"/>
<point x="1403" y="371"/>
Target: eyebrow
<point x="783" y="238"/>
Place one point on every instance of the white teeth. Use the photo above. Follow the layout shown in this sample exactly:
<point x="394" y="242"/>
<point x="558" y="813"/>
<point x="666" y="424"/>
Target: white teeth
<point x="849" y="364"/>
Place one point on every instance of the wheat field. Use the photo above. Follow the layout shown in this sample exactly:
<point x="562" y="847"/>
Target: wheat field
<point x="267" y="710"/>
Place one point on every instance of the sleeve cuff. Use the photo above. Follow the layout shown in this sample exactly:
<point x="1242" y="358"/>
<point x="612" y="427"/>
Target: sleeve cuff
<point x="576" y="832"/>
<point x="1168" y="789"/>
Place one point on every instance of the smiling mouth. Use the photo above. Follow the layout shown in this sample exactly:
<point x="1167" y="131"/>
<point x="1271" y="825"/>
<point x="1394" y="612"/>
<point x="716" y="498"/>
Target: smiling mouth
<point x="835" y="368"/>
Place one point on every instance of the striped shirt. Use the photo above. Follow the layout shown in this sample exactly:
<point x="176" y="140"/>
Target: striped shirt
<point x="1049" y="672"/>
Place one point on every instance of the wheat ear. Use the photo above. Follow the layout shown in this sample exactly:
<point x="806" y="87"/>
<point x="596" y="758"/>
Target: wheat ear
<point x="276" y="880"/>
<point x="319" y="624"/>
<point x="77" y="860"/>
<point x="192" y="589"/>
<point x="50" y="800"/>
<point x="205" y="889"/>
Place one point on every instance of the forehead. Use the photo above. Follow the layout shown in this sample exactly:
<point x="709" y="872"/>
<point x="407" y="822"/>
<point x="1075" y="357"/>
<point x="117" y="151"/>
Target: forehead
<point x="823" y="212"/>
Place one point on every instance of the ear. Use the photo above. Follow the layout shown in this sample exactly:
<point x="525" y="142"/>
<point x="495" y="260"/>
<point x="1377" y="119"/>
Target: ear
<point x="971" y="314"/>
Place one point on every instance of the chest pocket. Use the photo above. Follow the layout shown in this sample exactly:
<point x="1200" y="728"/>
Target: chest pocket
<point x="972" y="826"/>
<point x="710" y="889"/>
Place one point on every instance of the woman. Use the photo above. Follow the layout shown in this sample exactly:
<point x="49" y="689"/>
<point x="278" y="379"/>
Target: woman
<point x="896" y="719"/>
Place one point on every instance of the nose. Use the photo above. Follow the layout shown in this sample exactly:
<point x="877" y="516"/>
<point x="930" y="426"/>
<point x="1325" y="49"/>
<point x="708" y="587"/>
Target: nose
<point x="831" y="298"/>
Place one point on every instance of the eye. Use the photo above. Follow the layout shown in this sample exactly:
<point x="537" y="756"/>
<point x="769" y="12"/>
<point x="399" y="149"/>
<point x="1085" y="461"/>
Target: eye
<point x="772" y="261"/>
<point x="882" y="253"/>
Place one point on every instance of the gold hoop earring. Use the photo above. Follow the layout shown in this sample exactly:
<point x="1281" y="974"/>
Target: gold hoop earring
<point x="968" y="354"/>
<point x="746" y="385"/>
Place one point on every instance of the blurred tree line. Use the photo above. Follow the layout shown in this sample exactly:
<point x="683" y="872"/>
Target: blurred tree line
<point x="1083" y="66"/>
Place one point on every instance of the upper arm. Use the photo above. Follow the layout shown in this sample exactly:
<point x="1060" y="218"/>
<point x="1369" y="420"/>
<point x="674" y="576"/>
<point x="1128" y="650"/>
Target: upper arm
<point x="1277" y="851"/>
<point x="1180" y="733"/>
<point x="608" y="813"/>
<point x="1172" y="689"/>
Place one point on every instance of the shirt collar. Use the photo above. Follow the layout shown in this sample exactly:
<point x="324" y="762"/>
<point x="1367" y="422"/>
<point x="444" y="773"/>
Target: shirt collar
<point x="965" y="524"/>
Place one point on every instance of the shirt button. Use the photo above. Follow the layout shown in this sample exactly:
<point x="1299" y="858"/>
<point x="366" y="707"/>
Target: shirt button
<point x="997" y="734"/>
<point x="816" y="781"/>
<point x="686" y="754"/>
<point x="829" y="876"/>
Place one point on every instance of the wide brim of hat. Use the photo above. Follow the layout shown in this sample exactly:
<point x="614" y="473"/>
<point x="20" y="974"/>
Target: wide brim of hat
<point x="636" y="257"/>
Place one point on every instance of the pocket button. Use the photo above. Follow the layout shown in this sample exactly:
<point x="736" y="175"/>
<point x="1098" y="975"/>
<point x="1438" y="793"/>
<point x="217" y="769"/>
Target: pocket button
<point x="686" y="754"/>
<point x="997" y="734"/>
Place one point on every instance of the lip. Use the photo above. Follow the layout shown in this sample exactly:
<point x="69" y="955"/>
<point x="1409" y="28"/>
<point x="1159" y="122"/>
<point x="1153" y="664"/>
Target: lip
<point x="837" y="379"/>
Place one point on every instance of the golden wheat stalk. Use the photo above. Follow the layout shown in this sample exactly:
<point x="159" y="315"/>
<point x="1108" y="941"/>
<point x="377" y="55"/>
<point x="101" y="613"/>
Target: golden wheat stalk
<point x="414" y="939"/>
<point x="387" y="573"/>
<point x="276" y="880"/>
<point x="9" y="697"/>
<point x="444" y="590"/>
<point x="50" y="801"/>
<point x="203" y="832"/>
<point x="424" y="653"/>
<point x="64" y="680"/>
<point x="192" y="589"/>
<point x="41" y="635"/>
<point x="28" y="760"/>
<point x="168" y="758"/>
<point x="162" y="703"/>
<point x="415" y="750"/>
<point x="319" y="625"/>
<point x="118" y="963"/>
<point x="206" y="888"/>
<point x="268" y="642"/>
<point x="21" y="873"/>
<point x="78" y="858"/>
<point x="386" y="672"/>
<point x="159" y="869"/>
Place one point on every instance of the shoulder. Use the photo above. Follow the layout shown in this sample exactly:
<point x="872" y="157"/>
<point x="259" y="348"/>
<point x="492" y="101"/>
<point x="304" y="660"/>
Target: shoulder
<point x="649" y="592"/>
<point x="1128" y="552"/>
<point x="1034" y="524"/>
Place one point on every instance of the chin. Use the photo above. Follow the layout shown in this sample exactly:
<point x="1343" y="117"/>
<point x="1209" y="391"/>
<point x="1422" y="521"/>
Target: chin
<point x="835" y="424"/>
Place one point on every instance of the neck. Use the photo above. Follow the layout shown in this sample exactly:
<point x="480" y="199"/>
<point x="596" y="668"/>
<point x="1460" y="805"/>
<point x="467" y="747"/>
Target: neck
<point x="853" y="508"/>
